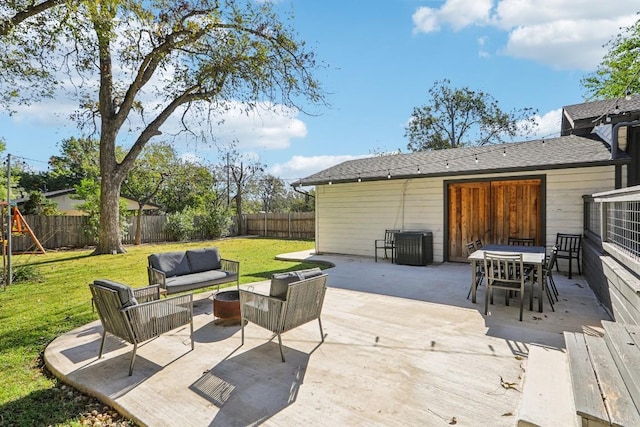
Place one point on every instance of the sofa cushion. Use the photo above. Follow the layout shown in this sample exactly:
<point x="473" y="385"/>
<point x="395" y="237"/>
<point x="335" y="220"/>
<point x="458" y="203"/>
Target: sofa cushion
<point x="170" y="263"/>
<point x="205" y="259"/>
<point x="125" y="293"/>
<point x="203" y="279"/>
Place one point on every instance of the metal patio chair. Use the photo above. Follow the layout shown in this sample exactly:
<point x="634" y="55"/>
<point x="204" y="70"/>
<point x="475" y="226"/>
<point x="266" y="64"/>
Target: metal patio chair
<point x="504" y="271"/>
<point x="123" y="316"/>
<point x="471" y="248"/>
<point x="568" y="248"/>
<point x="302" y="304"/>
<point x="522" y="241"/>
<point x="388" y="244"/>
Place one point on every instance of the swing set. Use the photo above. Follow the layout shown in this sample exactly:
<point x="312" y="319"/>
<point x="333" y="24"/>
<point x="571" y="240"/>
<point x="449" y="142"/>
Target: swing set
<point x="19" y="227"/>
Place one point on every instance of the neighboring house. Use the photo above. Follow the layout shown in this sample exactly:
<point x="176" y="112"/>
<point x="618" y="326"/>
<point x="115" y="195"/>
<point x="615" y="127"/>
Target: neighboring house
<point x="68" y="205"/>
<point x="524" y="189"/>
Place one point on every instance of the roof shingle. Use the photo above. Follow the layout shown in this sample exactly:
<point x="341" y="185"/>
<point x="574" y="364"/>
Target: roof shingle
<point x="555" y="153"/>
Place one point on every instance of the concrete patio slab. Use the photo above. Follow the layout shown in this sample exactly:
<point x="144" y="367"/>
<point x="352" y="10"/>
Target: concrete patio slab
<point x="403" y="346"/>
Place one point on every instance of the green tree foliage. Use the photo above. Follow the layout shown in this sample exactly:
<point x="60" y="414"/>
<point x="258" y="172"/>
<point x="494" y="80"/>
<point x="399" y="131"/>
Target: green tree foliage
<point x="195" y="58"/>
<point x="78" y="160"/>
<point x="189" y="185"/>
<point x="460" y="117"/>
<point x="618" y="74"/>
<point x="303" y="202"/>
<point x="38" y="204"/>
<point x="156" y="163"/>
<point x="273" y="194"/>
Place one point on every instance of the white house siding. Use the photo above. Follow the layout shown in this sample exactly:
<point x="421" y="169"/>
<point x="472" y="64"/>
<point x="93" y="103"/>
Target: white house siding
<point x="350" y="216"/>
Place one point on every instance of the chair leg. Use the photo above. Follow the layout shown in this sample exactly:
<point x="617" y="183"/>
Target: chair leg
<point x="486" y="300"/>
<point x="192" y="343"/>
<point x="549" y="297"/>
<point x="280" y="344"/>
<point x="321" y="331"/>
<point x="104" y="335"/>
<point x="570" y="259"/>
<point x="242" y="329"/>
<point x="521" y="302"/>
<point x="553" y="286"/>
<point x="133" y="358"/>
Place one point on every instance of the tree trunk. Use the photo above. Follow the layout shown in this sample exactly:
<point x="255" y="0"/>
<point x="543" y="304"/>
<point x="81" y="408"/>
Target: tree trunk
<point x="110" y="239"/>
<point x="241" y="230"/>
<point x="139" y="225"/>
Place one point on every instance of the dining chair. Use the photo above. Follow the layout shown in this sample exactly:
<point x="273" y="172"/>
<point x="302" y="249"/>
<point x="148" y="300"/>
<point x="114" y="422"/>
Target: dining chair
<point x="504" y="271"/>
<point x="471" y="248"/>
<point x="547" y="282"/>
<point x="568" y="248"/>
<point x="522" y="241"/>
<point x="388" y="244"/>
<point x="479" y="244"/>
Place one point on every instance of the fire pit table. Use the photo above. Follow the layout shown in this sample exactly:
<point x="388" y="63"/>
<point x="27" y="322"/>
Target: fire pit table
<point x="226" y="308"/>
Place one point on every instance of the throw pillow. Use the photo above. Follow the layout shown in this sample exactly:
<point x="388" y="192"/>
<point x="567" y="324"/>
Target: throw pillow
<point x="125" y="293"/>
<point x="205" y="259"/>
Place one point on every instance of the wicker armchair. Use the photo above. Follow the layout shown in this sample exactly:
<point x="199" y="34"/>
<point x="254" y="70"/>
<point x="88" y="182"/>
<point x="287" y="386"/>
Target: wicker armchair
<point x="303" y="303"/>
<point x="137" y="315"/>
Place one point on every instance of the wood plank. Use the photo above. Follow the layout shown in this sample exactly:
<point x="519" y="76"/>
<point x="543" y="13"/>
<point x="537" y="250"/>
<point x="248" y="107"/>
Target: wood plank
<point x="586" y="391"/>
<point x="623" y="342"/>
<point x="617" y="400"/>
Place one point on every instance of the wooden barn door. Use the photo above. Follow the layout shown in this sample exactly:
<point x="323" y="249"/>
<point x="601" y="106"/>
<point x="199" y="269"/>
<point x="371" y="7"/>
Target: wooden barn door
<point x="493" y="211"/>
<point x="516" y="210"/>
<point x="469" y="216"/>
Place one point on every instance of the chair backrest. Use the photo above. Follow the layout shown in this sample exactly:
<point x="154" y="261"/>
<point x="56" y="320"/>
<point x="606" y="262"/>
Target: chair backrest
<point x="108" y="304"/>
<point x="522" y="241"/>
<point x="390" y="236"/>
<point x="304" y="302"/>
<point x="479" y="244"/>
<point x="568" y="242"/>
<point x="471" y="248"/>
<point x="503" y="269"/>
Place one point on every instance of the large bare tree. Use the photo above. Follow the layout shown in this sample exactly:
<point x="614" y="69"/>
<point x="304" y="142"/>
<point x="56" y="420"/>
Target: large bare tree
<point x="141" y="62"/>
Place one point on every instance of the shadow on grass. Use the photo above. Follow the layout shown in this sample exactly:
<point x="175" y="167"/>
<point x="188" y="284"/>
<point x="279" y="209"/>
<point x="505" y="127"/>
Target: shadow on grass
<point x="51" y="406"/>
<point x="54" y="261"/>
<point x="266" y="275"/>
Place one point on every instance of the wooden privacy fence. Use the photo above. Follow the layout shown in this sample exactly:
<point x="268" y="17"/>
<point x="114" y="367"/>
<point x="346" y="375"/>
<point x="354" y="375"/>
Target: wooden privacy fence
<point x="292" y="225"/>
<point x="55" y="232"/>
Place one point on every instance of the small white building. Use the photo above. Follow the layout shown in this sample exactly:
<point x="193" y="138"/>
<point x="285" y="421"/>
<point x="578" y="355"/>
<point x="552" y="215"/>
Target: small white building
<point x="528" y="189"/>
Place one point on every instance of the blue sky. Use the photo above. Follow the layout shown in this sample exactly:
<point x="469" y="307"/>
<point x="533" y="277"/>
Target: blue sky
<point x="382" y="57"/>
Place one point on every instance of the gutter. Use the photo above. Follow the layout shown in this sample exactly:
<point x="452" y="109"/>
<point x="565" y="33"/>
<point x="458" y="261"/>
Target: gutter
<point x="295" y="188"/>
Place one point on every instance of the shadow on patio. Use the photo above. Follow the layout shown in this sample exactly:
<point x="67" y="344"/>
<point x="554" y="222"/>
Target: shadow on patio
<point x="403" y="346"/>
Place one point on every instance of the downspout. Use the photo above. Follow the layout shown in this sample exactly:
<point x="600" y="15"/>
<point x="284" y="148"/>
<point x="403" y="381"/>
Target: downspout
<point x="614" y="149"/>
<point x="614" y="136"/>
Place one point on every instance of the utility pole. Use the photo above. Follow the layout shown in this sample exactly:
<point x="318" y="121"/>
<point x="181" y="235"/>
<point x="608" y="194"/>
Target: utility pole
<point x="9" y="277"/>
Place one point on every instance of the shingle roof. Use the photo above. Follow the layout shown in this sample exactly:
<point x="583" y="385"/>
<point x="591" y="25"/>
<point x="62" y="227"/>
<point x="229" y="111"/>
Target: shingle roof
<point x="555" y="153"/>
<point x="591" y="110"/>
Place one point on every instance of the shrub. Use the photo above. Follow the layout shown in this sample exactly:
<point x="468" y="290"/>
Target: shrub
<point x="180" y="225"/>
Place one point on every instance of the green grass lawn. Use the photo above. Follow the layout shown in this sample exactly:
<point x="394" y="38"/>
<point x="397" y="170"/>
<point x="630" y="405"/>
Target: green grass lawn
<point x="34" y="312"/>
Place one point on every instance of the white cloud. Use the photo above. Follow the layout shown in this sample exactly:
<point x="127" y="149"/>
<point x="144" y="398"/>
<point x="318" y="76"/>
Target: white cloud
<point x="300" y="166"/>
<point x="548" y="124"/>
<point x="567" y="34"/>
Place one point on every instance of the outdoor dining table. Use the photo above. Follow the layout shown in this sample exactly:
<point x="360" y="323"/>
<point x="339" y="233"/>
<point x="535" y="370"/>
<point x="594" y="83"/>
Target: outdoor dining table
<point x="531" y="255"/>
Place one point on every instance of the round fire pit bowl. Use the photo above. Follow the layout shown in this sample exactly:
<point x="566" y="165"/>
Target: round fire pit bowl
<point x="226" y="308"/>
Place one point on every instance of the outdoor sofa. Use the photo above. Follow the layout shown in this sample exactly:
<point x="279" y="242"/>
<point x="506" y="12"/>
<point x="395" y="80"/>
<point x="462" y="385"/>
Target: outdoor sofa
<point x="184" y="271"/>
